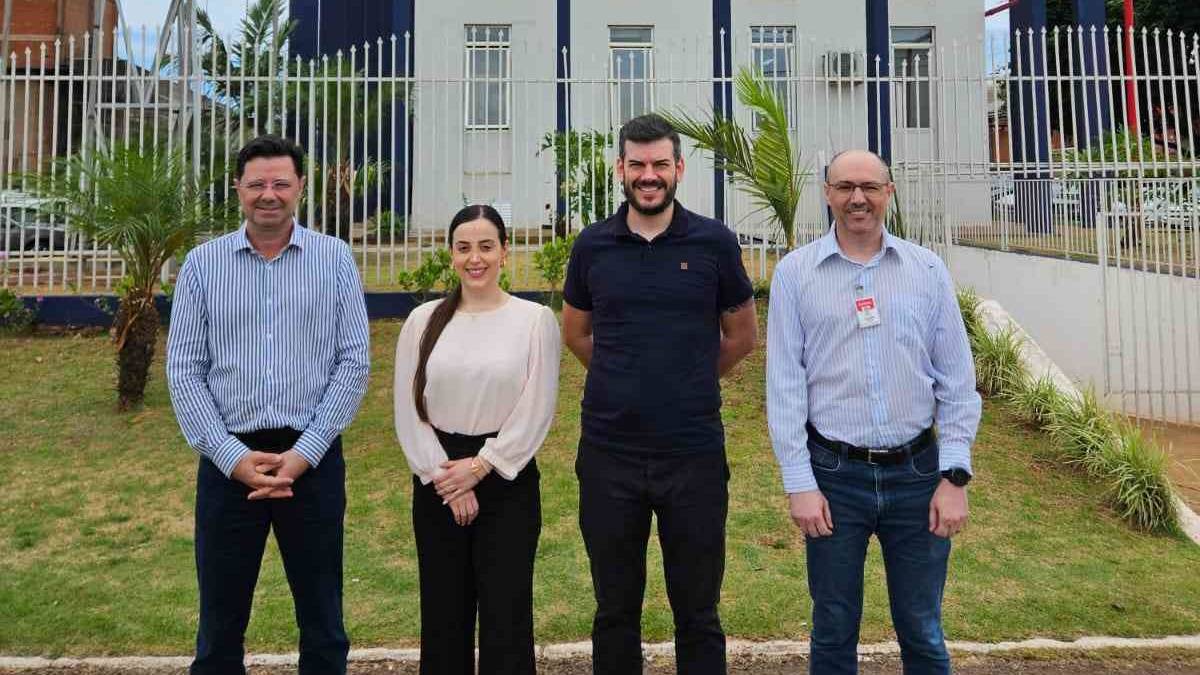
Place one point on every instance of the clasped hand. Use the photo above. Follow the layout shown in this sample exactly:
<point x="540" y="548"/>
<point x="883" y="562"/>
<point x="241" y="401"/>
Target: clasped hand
<point x="456" y="486"/>
<point x="270" y="475"/>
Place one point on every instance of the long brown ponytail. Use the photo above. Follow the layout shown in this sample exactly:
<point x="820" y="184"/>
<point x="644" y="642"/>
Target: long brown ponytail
<point x="444" y="312"/>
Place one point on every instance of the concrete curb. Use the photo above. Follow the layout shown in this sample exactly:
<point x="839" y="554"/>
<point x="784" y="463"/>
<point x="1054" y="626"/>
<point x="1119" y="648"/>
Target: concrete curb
<point x="581" y="650"/>
<point x="1038" y="364"/>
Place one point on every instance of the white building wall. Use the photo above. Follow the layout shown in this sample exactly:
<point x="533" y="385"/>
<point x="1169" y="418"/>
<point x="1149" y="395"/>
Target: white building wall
<point x="454" y="166"/>
<point x="682" y="58"/>
<point x="1125" y="333"/>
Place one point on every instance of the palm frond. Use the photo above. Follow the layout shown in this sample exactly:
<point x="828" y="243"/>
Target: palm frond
<point x="145" y="205"/>
<point x="764" y="165"/>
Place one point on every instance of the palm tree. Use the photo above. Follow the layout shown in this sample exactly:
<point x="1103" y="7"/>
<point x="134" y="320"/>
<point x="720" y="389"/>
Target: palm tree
<point x="257" y="52"/>
<point x="149" y="208"/>
<point x="341" y="95"/>
<point x="764" y="166"/>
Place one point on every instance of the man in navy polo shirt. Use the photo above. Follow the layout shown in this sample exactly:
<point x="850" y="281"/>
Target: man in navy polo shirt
<point x="658" y="307"/>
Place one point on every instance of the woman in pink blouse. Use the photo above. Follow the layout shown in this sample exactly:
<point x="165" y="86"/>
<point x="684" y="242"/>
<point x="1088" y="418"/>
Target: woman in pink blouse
<point x="475" y="389"/>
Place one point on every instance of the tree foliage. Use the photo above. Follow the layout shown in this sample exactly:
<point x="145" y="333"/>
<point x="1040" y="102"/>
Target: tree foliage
<point x="148" y="207"/>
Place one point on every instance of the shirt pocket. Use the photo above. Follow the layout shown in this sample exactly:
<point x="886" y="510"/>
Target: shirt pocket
<point x="913" y="319"/>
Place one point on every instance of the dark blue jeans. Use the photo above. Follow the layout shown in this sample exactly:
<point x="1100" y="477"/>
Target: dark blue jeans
<point x="618" y="493"/>
<point x="231" y="534"/>
<point x="891" y="502"/>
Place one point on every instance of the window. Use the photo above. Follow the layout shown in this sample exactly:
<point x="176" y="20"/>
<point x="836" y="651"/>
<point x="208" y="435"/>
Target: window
<point x="773" y="53"/>
<point x="631" y="66"/>
<point x="488" y="76"/>
<point x="912" y="49"/>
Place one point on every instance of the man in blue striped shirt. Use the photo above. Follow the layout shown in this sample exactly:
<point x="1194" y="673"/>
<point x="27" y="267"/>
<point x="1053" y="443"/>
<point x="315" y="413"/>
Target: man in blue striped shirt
<point x="866" y="356"/>
<point x="267" y="361"/>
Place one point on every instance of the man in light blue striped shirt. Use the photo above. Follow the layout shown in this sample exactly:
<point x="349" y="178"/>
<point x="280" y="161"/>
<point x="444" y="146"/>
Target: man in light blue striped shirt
<point x="267" y="361"/>
<point x="866" y="355"/>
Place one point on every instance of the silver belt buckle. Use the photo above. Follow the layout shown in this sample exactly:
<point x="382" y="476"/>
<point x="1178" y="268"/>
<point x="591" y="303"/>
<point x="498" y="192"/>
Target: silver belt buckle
<point x="873" y="452"/>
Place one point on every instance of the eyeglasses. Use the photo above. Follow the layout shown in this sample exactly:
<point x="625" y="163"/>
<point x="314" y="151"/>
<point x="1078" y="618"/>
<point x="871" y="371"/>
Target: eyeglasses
<point x="258" y="187"/>
<point x="846" y="188"/>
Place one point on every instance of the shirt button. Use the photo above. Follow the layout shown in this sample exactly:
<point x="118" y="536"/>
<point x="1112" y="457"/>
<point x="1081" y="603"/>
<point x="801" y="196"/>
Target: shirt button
<point x="268" y="371"/>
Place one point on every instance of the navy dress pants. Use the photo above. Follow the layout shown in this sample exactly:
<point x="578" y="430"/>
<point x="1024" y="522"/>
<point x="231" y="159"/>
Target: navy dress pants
<point x="231" y="534"/>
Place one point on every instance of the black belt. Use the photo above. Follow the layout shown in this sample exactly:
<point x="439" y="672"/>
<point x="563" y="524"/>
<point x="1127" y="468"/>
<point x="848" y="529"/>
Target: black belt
<point x="461" y="446"/>
<point x="886" y="456"/>
<point x="270" y="440"/>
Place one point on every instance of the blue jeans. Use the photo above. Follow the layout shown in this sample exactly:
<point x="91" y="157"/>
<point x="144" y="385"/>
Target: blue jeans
<point x="891" y="502"/>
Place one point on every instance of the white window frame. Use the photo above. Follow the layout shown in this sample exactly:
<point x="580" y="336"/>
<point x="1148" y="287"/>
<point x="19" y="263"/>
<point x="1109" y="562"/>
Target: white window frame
<point x="619" y="79"/>
<point x="786" y="47"/>
<point x="487" y="38"/>
<point x="918" y="92"/>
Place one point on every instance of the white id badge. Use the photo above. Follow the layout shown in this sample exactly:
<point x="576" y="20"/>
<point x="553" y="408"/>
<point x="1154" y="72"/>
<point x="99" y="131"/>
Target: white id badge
<point x="867" y="311"/>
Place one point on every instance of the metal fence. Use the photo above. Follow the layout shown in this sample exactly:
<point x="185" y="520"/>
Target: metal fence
<point x="1084" y="149"/>
<point x="400" y="138"/>
<point x="1017" y="159"/>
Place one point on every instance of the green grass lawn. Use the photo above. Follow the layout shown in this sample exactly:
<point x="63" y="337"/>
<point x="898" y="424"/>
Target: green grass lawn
<point x="96" y="529"/>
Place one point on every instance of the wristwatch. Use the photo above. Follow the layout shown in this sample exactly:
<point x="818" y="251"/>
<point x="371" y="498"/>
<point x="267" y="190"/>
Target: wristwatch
<point x="957" y="476"/>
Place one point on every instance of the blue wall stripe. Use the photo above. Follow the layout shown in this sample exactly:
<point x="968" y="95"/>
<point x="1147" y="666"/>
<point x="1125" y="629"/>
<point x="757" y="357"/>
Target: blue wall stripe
<point x="98" y="310"/>
<point x="879" y="126"/>
<point x="722" y="90"/>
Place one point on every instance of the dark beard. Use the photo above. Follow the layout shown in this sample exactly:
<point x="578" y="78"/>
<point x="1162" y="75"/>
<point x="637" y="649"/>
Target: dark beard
<point x="631" y="199"/>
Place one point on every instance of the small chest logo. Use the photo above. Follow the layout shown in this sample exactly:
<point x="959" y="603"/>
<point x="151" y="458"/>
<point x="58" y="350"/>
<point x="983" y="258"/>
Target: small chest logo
<point x="683" y="265"/>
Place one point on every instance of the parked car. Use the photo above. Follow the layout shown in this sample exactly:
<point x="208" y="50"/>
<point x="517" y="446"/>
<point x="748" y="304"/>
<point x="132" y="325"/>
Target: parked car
<point x="1171" y="205"/>
<point x="24" y="227"/>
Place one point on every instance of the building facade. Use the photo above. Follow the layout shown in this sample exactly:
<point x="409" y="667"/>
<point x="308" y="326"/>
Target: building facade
<point x="494" y="82"/>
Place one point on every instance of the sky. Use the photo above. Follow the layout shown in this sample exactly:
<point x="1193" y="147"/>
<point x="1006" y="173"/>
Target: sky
<point x="225" y="13"/>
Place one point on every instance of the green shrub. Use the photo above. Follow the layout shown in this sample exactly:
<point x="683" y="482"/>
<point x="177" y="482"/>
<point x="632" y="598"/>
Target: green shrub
<point x="1036" y="401"/>
<point x="998" y="368"/>
<point x="1082" y="430"/>
<point x="551" y="262"/>
<point x="433" y="271"/>
<point x="15" y="317"/>
<point x="1137" y="475"/>
<point x="388" y="224"/>
<point x="1108" y="448"/>
<point x="968" y="306"/>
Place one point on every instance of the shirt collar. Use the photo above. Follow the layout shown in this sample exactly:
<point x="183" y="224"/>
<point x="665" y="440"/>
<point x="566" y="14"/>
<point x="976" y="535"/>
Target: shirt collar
<point x="828" y="245"/>
<point x="677" y="228"/>
<point x="299" y="235"/>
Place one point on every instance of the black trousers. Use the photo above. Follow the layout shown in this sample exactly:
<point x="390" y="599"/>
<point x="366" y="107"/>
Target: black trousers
<point x="689" y="494"/>
<point x="486" y="566"/>
<point x="231" y="533"/>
